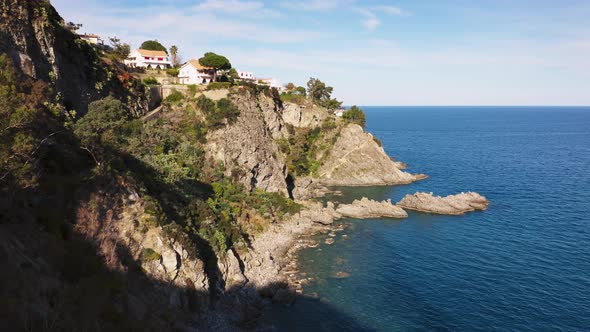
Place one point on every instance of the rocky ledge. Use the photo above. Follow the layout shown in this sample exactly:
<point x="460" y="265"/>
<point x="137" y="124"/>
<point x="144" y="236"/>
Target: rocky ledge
<point x="450" y="205"/>
<point x="366" y="209"/>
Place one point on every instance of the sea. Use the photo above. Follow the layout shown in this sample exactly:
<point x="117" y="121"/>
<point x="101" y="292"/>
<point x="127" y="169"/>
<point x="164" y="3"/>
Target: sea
<point x="521" y="265"/>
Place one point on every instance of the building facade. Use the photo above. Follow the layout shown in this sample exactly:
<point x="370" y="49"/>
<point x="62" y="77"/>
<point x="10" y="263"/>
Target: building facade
<point x="193" y="72"/>
<point x="148" y="59"/>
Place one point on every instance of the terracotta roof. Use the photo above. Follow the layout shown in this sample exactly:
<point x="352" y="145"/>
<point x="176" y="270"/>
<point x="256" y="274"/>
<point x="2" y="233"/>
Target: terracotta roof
<point x="199" y="66"/>
<point x="151" y="53"/>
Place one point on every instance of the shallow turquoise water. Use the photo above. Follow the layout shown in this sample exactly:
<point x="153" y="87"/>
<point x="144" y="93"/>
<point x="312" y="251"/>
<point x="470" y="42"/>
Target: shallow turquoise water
<point x="522" y="265"/>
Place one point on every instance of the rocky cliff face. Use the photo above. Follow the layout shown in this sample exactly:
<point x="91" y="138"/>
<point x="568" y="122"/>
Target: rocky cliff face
<point x="248" y="149"/>
<point x="358" y="160"/>
<point x="304" y="116"/>
<point x="32" y="34"/>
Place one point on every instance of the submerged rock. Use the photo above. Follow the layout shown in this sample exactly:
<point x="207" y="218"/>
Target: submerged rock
<point x="366" y="209"/>
<point x="451" y="205"/>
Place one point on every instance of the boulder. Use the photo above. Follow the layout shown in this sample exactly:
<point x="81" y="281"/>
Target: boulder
<point x="450" y="205"/>
<point x="366" y="209"/>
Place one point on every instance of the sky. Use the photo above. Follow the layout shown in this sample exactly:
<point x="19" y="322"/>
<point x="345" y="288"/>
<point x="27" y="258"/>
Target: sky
<point x="376" y="52"/>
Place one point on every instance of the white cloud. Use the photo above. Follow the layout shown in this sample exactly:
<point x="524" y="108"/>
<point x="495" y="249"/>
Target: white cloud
<point x="370" y="21"/>
<point x="391" y="10"/>
<point x="316" y="5"/>
<point x="238" y="7"/>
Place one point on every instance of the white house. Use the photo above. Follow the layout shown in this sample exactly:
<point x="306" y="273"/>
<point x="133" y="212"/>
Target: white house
<point x="148" y="59"/>
<point x="193" y="72"/>
<point x="340" y="112"/>
<point x="246" y="76"/>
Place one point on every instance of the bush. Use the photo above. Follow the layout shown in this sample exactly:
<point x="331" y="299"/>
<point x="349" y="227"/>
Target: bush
<point x="172" y="72"/>
<point x="293" y="98"/>
<point x="355" y="115"/>
<point x="150" y="81"/>
<point x="175" y="97"/>
<point x="228" y="110"/>
<point x="192" y="89"/>
<point x="219" y="85"/>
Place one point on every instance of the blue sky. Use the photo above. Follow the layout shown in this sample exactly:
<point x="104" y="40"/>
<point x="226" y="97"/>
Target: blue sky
<point x="407" y="52"/>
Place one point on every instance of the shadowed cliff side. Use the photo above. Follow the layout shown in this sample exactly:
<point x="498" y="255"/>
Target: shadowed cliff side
<point x="32" y="33"/>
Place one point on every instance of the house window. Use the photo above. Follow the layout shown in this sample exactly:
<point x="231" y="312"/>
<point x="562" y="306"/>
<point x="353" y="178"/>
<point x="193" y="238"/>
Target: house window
<point x="146" y="58"/>
<point x="160" y="59"/>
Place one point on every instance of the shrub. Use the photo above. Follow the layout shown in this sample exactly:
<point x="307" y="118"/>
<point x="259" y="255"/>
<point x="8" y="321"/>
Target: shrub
<point x="150" y="81"/>
<point x="192" y="89"/>
<point x="219" y="85"/>
<point x="228" y="110"/>
<point x="293" y="98"/>
<point x="355" y="115"/>
<point x="175" y="97"/>
<point x="172" y="72"/>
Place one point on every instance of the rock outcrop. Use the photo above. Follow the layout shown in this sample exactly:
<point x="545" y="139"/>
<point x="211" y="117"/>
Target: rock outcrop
<point x="247" y="148"/>
<point x="358" y="160"/>
<point x="304" y="116"/>
<point x="32" y="33"/>
<point x="451" y="205"/>
<point x="367" y="209"/>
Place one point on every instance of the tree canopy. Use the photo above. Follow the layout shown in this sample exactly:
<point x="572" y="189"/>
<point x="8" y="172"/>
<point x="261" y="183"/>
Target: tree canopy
<point x="355" y="115"/>
<point x="321" y="94"/>
<point x="101" y="127"/>
<point x="219" y="62"/>
<point x="120" y="50"/>
<point x="174" y="53"/>
<point x="153" y="45"/>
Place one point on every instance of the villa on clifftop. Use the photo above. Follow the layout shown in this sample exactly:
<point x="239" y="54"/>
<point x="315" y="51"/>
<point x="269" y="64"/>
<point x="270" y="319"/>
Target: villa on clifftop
<point x="193" y="72"/>
<point x="148" y="59"/>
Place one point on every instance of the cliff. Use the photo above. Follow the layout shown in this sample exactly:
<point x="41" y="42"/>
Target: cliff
<point x="32" y="33"/>
<point x="181" y="220"/>
<point x="358" y="160"/>
<point x="248" y="147"/>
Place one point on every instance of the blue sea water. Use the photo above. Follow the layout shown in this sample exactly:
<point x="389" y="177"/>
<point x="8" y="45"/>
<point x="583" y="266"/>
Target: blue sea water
<point x="522" y="265"/>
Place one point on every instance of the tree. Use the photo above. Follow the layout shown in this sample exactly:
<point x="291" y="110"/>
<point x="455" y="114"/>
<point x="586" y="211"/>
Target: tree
<point x="120" y="50"/>
<point x="73" y="27"/>
<point x="290" y="86"/>
<point x="215" y="61"/>
<point x="355" y="115"/>
<point x="174" y="53"/>
<point x="153" y="45"/>
<point x="301" y="90"/>
<point x="321" y="94"/>
<point x="101" y="128"/>
<point x="233" y="74"/>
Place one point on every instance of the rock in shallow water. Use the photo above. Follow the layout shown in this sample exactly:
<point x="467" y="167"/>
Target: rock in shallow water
<point x="450" y="205"/>
<point x="366" y="209"/>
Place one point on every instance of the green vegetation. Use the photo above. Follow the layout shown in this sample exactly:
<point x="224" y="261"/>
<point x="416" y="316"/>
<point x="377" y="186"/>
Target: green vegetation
<point x="217" y="113"/>
<point x="322" y="94"/>
<point x="219" y="85"/>
<point x="18" y="116"/>
<point x="174" y="54"/>
<point x="306" y="148"/>
<point x="102" y="128"/>
<point x="174" y="97"/>
<point x="150" y="81"/>
<point x="173" y="72"/>
<point x="120" y="50"/>
<point x="153" y="45"/>
<point x="215" y="61"/>
<point x="355" y="115"/>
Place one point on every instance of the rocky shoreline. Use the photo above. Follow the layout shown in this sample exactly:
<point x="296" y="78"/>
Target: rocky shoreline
<point x="274" y="258"/>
